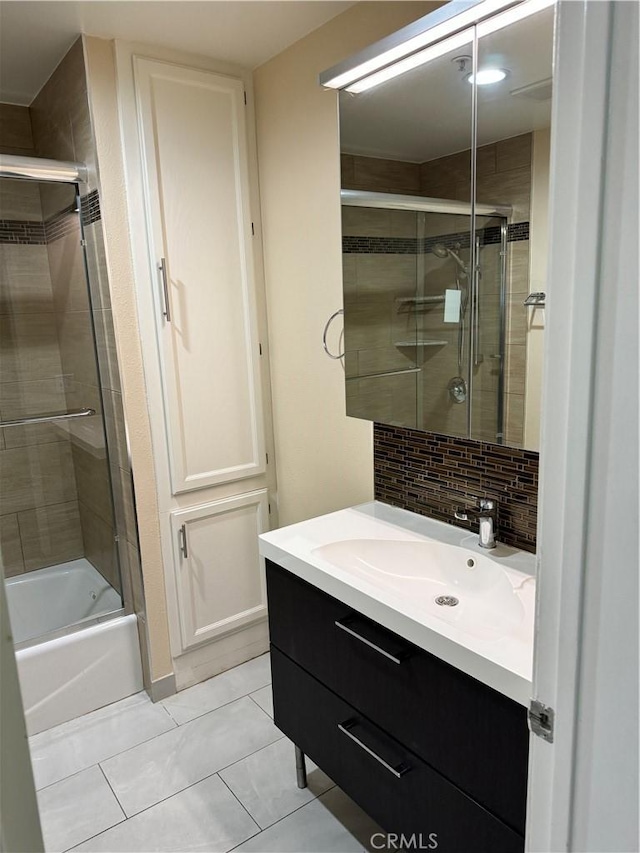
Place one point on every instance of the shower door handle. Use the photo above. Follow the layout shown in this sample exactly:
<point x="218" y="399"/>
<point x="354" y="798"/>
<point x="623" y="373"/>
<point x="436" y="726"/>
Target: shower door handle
<point x="475" y="307"/>
<point x="162" y="268"/>
<point x="182" y="541"/>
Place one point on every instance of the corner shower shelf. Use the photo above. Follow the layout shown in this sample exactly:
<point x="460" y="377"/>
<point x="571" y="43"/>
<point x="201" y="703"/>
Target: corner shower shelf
<point x="420" y="343"/>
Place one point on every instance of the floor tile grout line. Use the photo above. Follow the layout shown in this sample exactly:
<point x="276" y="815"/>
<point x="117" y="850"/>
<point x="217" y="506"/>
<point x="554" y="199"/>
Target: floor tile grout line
<point x="284" y="817"/>
<point x="148" y="740"/>
<point x="117" y="823"/>
<point x="204" y="713"/>
<point x="113" y="792"/>
<point x="233" y="794"/>
<point x="197" y="782"/>
<point x="258" y="704"/>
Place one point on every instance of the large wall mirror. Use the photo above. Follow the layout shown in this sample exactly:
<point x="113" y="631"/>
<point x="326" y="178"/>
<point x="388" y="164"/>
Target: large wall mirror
<point x="444" y="221"/>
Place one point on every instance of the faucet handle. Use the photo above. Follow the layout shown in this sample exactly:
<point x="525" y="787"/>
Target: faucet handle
<point x="462" y="513"/>
<point x="487" y="504"/>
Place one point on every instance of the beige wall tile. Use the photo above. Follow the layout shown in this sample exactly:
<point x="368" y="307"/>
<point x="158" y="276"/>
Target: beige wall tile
<point x="23" y="260"/>
<point x="77" y="347"/>
<point x="92" y="482"/>
<point x="455" y="168"/>
<point x="116" y="430"/>
<point x="380" y="175"/>
<point x="97" y="266"/>
<point x="68" y="276"/>
<point x="36" y="476"/>
<point x="10" y="546"/>
<point x="368" y="324"/>
<point x="516" y="357"/>
<point x="386" y="359"/>
<point x="513" y="153"/>
<point x="404" y="223"/>
<point x="100" y="546"/>
<point x="514" y="419"/>
<point x="19" y="199"/>
<point x="107" y="353"/>
<point x="386" y="276"/>
<point x="512" y="187"/>
<point x="25" y="283"/>
<point x="15" y="127"/>
<point x="349" y="281"/>
<point x="346" y="170"/>
<point x="365" y="222"/>
<point x="518" y="267"/>
<point x="50" y="535"/>
<point x="28" y="347"/>
<point x="486" y="160"/>
<point x="124" y="501"/>
<point x="21" y="399"/>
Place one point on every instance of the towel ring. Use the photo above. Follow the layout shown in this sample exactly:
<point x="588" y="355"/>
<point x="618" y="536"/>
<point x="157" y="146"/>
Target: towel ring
<point x="324" y="334"/>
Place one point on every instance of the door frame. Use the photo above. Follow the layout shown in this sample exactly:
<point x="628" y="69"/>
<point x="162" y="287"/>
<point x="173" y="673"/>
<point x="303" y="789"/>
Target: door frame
<point x="581" y="436"/>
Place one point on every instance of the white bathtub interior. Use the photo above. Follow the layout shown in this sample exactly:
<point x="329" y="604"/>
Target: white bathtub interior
<point x="49" y="599"/>
<point x="76" y="650"/>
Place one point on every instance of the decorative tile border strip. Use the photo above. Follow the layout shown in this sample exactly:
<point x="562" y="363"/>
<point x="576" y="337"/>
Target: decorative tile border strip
<point x="412" y="246"/>
<point x="22" y="232"/>
<point x="32" y="233"/>
<point x="435" y="474"/>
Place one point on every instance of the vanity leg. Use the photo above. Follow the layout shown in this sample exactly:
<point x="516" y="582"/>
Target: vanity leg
<point x="301" y="768"/>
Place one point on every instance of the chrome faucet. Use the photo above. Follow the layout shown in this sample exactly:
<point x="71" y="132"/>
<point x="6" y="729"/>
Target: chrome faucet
<point x="486" y="513"/>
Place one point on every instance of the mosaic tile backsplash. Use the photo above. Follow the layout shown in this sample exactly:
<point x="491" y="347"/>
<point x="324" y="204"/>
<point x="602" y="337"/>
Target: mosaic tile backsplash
<point x="433" y="475"/>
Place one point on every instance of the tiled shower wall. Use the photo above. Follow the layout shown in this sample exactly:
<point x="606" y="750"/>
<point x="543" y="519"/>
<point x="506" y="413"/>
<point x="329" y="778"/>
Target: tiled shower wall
<point x="39" y="511"/>
<point x="504" y="176"/>
<point x="59" y="120"/>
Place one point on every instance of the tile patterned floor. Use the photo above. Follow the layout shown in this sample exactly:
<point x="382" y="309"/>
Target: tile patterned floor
<point x="204" y="770"/>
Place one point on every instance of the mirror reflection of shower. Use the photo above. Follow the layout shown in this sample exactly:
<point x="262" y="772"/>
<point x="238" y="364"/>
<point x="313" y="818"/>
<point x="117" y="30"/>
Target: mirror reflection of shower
<point x="462" y="271"/>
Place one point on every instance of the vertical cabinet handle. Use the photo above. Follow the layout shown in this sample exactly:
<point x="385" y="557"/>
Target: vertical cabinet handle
<point x="182" y="541"/>
<point x="162" y="267"/>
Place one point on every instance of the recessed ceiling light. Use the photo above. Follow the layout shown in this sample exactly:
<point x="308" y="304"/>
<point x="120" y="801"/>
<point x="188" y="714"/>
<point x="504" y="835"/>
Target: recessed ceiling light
<point x="487" y="76"/>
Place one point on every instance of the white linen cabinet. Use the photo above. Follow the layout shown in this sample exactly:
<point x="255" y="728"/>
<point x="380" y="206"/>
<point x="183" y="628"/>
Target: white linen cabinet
<point x="197" y="190"/>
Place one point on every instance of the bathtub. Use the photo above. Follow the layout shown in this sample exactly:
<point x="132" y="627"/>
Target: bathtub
<point x="66" y="672"/>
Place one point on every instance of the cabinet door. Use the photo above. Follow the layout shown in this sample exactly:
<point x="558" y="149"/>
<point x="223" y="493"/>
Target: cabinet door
<point x="220" y="574"/>
<point x="193" y="138"/>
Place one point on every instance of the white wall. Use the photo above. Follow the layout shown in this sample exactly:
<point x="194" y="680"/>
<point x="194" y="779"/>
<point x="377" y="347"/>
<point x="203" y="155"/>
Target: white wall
<point x="324" y="459"/>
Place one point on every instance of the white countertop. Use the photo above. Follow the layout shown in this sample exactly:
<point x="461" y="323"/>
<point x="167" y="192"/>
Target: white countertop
<point x="504" y="664"/>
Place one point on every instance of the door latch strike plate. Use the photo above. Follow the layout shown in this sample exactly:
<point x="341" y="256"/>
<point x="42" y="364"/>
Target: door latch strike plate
<point x="541" y="720"/>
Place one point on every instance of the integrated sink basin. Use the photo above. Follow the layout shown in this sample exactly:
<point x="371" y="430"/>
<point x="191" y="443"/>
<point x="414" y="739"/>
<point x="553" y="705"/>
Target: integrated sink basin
<point x="425" y="581"/>
<point x="459" y="586"/>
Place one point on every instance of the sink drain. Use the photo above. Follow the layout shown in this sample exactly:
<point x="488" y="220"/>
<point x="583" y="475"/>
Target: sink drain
<point x="447" y="600"/>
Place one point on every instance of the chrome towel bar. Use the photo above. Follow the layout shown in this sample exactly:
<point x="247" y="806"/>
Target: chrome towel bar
<point x="50" y="416"/>
<point x="324" y="334"/>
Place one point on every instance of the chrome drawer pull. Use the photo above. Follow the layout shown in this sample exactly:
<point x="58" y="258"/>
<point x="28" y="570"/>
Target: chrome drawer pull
<point x="397" y="771"/>
<point x="364" y="640"/>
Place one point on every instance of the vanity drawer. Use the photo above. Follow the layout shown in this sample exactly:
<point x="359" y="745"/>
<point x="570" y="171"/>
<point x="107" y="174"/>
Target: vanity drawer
<point x="471" y="734"/>
<point x="398" y="790"/>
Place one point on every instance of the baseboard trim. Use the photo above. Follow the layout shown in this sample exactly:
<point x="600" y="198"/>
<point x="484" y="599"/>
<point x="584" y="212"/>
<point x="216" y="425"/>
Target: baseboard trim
<point x="162" y="688"/>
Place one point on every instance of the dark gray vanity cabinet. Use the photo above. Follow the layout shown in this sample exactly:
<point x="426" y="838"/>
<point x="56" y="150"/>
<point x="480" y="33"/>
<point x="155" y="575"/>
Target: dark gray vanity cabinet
<point x="421" y="746"/>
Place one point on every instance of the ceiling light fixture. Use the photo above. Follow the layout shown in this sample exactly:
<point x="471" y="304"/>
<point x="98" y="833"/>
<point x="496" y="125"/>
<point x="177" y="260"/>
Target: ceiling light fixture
<point x="512" y="16"/>
<point x="404" y="57"/>
<point x="469" y="16"/>
<point x="487" y="76"/>
<point x="414" y="61"/>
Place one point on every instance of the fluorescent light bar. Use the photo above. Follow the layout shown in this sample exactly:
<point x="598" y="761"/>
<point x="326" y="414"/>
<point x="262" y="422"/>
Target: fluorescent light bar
<point x="516" y="13"/>
<point x="470" y="16"/>
<point x="414" y="61"/>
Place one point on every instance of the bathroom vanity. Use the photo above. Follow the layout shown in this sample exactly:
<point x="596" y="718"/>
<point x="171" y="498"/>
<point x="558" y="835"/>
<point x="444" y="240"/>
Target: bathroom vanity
<point x="417" y="709"/>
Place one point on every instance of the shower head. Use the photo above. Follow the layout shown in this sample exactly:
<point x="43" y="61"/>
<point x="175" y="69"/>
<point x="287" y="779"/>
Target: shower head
<point x="441" y="251"/>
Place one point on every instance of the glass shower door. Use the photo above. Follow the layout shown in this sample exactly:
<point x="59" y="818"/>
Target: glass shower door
<point x="57" y="531"/>
<point x="488" y="330"/>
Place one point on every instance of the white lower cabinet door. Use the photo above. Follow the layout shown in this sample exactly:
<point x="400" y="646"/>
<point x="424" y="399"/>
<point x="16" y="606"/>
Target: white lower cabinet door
<point x="220" y="574"/>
